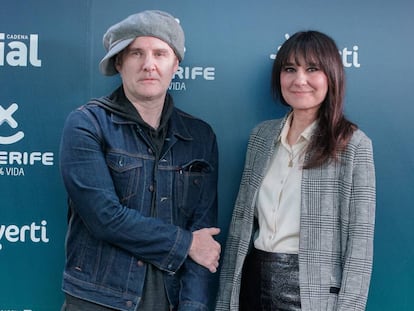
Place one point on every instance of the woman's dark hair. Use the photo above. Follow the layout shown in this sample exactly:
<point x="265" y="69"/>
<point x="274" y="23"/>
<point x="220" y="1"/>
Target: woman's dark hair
<point x="334" y="130"/>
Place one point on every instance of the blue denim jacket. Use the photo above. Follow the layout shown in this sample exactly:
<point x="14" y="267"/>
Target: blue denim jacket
<point x="111" y="176"/>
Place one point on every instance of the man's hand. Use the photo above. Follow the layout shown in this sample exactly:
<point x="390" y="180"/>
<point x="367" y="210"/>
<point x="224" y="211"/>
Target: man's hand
<point x="204" y="249"/>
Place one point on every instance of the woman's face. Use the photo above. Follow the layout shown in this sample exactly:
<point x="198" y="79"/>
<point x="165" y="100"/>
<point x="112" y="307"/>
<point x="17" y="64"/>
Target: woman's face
<point x="304" y="85"/>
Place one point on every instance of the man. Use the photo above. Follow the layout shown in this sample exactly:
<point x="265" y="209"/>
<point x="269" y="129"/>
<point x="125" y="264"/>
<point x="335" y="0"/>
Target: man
<point x="141" y="177"/>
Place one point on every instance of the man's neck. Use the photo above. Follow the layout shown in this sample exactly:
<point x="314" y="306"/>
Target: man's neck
<point x="150" y="110"/>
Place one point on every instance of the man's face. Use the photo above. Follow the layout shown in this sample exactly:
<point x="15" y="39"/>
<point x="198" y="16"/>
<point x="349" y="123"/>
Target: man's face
<point x="146" y="67"/>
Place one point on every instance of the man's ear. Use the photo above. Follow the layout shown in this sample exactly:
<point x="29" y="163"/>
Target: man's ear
<point x="118" y="61"/>
<point x="177" y="63"/>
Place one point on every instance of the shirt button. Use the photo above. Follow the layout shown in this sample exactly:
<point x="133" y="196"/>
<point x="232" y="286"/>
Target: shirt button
<point x="151" y="188"/>
<point x="129" y="304"/>
<point x="140" y="263"/>
<point x="149" y="150"/>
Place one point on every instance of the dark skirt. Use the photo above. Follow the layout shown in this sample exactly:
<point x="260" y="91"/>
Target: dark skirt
<point x="270" y="282"/>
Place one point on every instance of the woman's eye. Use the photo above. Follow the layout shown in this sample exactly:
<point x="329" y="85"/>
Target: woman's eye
<point x="313" y="69"/>
<point x="289" y="69"/>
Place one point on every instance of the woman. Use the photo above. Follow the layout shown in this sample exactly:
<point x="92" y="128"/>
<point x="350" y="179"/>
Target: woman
<point x="301" y="235"/>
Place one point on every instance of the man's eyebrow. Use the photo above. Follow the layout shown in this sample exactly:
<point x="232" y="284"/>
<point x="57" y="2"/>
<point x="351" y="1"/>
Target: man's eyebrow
<point x="133" y="49"/>
<point x="161" y="50"/>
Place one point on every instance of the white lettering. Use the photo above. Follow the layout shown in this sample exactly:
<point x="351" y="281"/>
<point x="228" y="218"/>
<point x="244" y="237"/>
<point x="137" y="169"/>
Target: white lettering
<point x="14" y="171"/>
<point x="23" y="231"/>
<point x="35" y="233"/>
<point x="3" y="157"/>
<point x="1" y="49"/>
<point x="350" y="58"/>
<point x="17" y="37"/>
<point x="19" y="54"/>
<point x="34" y="47"/>
<point x="12" y="233"/>
<point x="177" y="86"/>
<point x="43" y="233"/>
<point x="26" y="158"/>
<point x="196" y="71"/>
<point x="209" y="73"/>
<point x="187" y="73"/>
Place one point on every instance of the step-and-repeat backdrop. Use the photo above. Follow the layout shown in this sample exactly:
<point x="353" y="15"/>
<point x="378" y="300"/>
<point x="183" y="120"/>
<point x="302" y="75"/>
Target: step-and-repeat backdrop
<point x="49" y="51"/>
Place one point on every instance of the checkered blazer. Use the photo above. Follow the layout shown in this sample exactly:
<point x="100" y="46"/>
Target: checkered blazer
<point x="336" y="225"/>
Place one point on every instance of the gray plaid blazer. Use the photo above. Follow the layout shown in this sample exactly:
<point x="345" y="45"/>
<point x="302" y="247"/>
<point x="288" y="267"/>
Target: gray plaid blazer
<point x="336" y="225"/>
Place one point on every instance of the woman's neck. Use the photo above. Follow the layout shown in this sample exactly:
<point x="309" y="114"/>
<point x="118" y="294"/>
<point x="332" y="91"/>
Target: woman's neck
<point x="299" y="122"/>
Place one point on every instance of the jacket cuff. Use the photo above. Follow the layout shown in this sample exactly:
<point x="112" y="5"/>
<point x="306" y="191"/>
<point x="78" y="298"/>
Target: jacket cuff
<point x="179" y="251"/>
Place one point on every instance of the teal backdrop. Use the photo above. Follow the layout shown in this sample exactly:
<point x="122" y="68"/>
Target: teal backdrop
<point x="49" y="54"/>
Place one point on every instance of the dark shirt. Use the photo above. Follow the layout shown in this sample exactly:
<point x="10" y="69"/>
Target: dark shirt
<point x="154" y="295"/>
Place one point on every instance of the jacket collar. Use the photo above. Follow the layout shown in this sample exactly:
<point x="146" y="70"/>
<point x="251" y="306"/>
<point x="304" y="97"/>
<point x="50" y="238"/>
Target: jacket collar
<point x="177" y="127"/>
<point x="123" y="112"/>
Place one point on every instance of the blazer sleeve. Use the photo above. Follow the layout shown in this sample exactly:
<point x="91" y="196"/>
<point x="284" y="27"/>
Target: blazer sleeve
<point x="259" y="149"/>
<point x="358" y="255"/>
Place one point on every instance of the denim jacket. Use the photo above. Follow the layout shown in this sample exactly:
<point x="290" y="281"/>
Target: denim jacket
<point x="113" y="178"/>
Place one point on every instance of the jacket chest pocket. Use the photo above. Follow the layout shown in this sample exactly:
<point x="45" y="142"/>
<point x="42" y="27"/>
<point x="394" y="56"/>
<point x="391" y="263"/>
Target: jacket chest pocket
<point x="125" y="171"/>
<point x="189" y="184"/>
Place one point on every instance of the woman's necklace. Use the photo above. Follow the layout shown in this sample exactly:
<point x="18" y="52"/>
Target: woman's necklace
<point x="298" y="142"/>
<point x="293" y="155"/>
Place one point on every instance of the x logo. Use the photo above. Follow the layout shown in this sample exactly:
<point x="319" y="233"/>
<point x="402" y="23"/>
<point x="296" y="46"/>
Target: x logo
<point x="6" y="116"/>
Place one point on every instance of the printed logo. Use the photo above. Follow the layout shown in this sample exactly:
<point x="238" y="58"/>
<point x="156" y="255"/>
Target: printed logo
<point x="12" y="233"/>
<point x="350" y="56"/>
<point x="191" y="73"/>
<point x="6" y="115"/>
<point x="12" y="163"/>
<point x="19" y="50"/>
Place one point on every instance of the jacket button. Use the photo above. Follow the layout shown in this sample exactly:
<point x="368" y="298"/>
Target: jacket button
<point x="151" y="188"/>
<point x="140" y="263"/>
<point x="129" y="304"/>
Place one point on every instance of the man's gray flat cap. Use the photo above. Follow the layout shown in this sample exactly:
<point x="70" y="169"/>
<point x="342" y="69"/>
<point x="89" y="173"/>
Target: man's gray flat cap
<point x="151" y="23"/>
